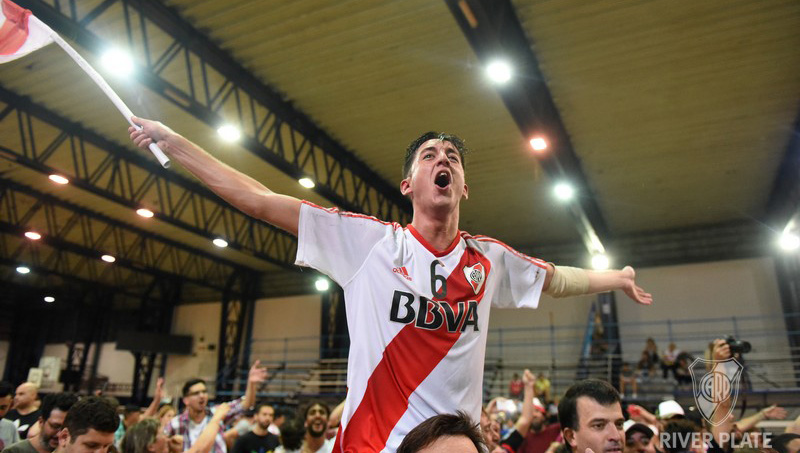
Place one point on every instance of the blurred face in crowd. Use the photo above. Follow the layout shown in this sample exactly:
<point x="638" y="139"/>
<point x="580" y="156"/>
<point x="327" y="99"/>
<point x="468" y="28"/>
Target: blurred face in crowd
<point x="5" y="405"/>
<point x="92" y="441"/>
<point x="599" y="427"/>
<point x="168" y="415"/>
<point x="25" y="396"/>
<point x="638" y="442"/>
<point x="316" y="421"/>
<point x="50" y="428"/>
<point x="264" y="416"/>
<point x="196" y="398"/>
<point x="160" y="445"/>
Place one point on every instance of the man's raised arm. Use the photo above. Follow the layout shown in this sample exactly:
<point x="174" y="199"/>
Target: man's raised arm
<point x="238" y="189"/>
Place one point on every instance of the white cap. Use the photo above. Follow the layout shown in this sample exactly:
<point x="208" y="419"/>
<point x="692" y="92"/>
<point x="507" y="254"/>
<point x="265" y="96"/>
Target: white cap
<point x="669" y="409"/>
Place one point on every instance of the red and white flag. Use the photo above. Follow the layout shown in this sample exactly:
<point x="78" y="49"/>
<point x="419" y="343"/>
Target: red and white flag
<point x="20" y="32"/>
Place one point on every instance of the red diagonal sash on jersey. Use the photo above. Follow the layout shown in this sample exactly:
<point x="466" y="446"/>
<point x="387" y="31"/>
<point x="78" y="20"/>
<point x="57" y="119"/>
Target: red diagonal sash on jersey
<point x="408" y="359"/>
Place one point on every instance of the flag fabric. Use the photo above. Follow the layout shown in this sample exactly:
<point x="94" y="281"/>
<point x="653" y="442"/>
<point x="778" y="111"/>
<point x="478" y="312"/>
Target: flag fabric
<point x="20" y="32"/>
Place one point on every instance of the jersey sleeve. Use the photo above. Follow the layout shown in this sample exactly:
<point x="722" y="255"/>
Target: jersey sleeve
<point x="336" y="243"/>
<point x="520" y="277"/>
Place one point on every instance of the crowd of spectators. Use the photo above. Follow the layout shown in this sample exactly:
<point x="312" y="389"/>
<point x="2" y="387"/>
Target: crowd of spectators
<point x="590" y="416"/>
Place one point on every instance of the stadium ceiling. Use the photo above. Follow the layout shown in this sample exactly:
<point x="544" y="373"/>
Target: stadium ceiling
<point x="675" y="121"/>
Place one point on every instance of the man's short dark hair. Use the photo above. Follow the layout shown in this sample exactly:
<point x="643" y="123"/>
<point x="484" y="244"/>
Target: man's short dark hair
<point x="600" y="391"/>
<point x="6" y="389"/>
<point x="681" y="442"/>
<point x="292" y="433"/>
<point x="61" y="401"/>
<point x="258" y="407"/>
<point x="313" y="403"/>
<point x="92" y="412"/>
<point x="411" y="151"/>
<point x="190" y="383"/>
<point x="427" y="432"/>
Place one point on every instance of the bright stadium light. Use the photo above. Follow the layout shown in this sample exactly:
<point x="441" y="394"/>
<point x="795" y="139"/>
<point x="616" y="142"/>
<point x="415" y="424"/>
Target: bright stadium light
<point x="499" y="71"/>
<point x="219" y="242"/>
<point x="32" y="235"/>
<point x="789" y="242"/>
<point x="563" y="191"/>
<point x="538" y="144"/>
<point x="49" y="299"/>
<point x="117" y="62"/>
<point x="58" y="179"/>
<point x="229" y="132"/>
<point x="23" y="270"/>
<point x="108" y="258"/>
<point x="146" y="213"/>
<point x="322" y="284"/>
<point x="600" y="262"/>
<point x="308" y="183"/>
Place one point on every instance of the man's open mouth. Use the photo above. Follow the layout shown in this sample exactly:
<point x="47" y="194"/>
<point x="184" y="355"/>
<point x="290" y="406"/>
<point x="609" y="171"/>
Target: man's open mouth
<point x="442" y="179"/>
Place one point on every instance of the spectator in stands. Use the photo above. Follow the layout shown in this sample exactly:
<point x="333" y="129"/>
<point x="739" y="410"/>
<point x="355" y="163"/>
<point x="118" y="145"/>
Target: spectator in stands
<point x="316" y="414"/>
<point x="130" y="416"/>
<point x="669" y="360"/>
<point x="591" y="417"/>
<point x="197" y="415"/>
<point x="89" y="427"/>
<point x="147" y="437"/>
<point x="292" y="434"/>
<point x="531" y="417"/>
<point x="55" y="409"/>
<point x="650" y="358"/>
<point x="8" y="432"/>
<point x="26" y="408"/>
<point x="541" y="388"/>
<point x="541" y="434"/>
<point x="144" y="437"/>
<point x="682" y="373"/>
<point x="639" y="439"/>
<point x="258" y="440"/>
<point x="444" y="433"/>
<point x="515" y="386"/>
<point x="282" y="414"/>
<point x="165" y="414"/>
<point x="627" y="377"/>
<point x="246" y="423"/>
<point x="490" y="427"/>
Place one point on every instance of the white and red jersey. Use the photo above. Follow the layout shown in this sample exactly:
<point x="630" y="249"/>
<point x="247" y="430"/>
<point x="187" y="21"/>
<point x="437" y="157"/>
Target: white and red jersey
<point x="418" y="318"/>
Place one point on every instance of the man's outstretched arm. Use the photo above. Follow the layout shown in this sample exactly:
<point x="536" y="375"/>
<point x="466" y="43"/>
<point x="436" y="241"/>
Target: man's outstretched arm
<point x="562" y="281"/>
<point x="238" y="189"/>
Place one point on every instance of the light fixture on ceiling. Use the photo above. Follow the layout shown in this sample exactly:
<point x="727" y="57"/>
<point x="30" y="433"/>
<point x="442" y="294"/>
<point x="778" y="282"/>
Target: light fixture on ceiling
<point x="789" y="242"/>
<point x="322" y="284"/>
<point x="600" y="262"/>
<point x="49" y="299"/>
<point x="117" y="62"/>
<point x="144" y="212"/>
<point x="538" y="144"/>
<point x="308" y="183"/>
<point x="32" y="235"/>
<point x="499" y="71"/>
<point x="229" y="132"/>
<point x="108" y="258"/>
<point x="219" y="242"/>
<point x="58" y="179"/>
<point x="563" y="191"/>
<point x="23" y="270"/>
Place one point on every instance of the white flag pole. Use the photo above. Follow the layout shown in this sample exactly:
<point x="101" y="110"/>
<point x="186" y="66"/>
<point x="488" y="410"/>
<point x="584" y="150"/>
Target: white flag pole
<point x="98" y="79"/>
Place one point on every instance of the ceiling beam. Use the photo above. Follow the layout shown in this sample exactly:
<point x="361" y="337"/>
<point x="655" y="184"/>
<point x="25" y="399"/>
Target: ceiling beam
<point x="66" y="225"/>
<point x="783" y="206"/>
<point x="206" y="82"/>
<point x="493" y="30"/>
<point x="124" y="177"/>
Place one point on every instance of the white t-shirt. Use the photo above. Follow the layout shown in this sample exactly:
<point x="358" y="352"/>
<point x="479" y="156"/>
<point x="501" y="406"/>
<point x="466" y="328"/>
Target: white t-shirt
<point x="408" y="363"/>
